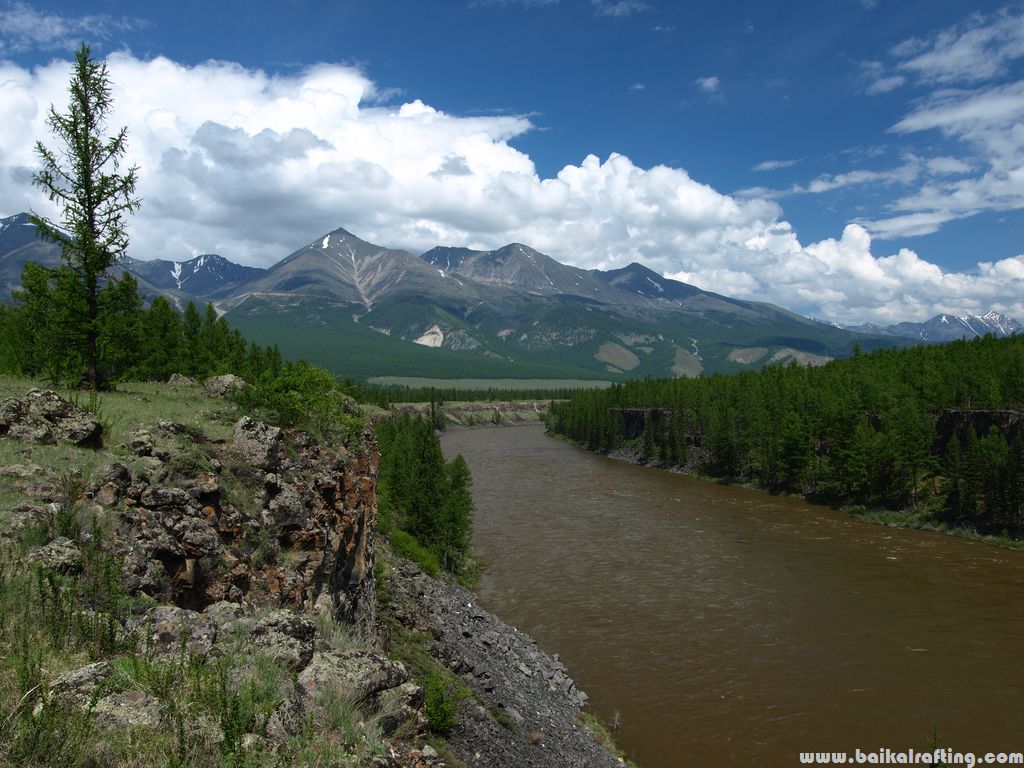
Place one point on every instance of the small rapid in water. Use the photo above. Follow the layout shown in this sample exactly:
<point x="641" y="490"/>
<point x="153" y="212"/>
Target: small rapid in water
<point x="729" y="627"/>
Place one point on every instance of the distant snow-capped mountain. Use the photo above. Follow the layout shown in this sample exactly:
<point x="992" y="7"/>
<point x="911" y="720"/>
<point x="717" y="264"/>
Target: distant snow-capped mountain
<point x="205" y="276"/>
<point x="948" y="327"/>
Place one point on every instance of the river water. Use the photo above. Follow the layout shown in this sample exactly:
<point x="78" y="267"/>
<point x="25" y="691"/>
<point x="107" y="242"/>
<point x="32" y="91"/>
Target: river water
<point x="729" y="627"/>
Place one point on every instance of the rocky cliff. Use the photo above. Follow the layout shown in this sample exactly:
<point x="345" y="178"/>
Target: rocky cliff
<point x="203" y="584"/>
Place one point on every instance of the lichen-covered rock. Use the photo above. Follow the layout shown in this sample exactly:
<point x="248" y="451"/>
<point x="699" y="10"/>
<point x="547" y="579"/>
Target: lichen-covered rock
<point x="286" y="509"/>
<point x="219" y="386"/>
<point x="260" y="444"/>
<point x="363" y="675"/>
<point x="286" y="637"/>
<point x="61" y="555"/>
<point x="167" y="630"/>
<point x="21" y="471"/>
<point x="179" y="380"/>
<point x="128" y="709"/>
<point x="402" y="707"/>
<point x="18" y="422"/>
<point x="43" y="416"/>
<point x="77" y="688"/>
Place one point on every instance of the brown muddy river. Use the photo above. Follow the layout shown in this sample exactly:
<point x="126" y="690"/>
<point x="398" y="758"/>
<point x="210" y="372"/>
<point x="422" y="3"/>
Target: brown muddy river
<point x="729" y="627"/>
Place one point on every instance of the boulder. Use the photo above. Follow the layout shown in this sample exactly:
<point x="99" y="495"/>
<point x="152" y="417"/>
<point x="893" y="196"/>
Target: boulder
<point x="128" y="709"/>
<point x="220" y="386"/>
<point x="68" y="423"/>
<point x="260" y="444"/>
<point x="363" y="675"/>
<point x="60" y="555"/>
<point x="179" y="380"/>
<point x="169" y="630"/>
<point x="77" y="688"/>
<point x="286" y="509"/>
<point x="286" y="637"/>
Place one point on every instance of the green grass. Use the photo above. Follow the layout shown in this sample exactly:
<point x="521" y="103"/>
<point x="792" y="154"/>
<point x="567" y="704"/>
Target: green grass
<point x="212" y="712"/>
<point x="604" y="737"/>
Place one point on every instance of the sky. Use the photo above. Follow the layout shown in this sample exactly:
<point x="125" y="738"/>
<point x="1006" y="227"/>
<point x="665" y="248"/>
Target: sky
<point x="851" y="160"/>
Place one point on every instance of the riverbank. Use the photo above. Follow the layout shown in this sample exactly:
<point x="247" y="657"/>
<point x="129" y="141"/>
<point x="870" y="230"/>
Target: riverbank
<point x="463" y="415"/>
<point x="918" y="519"/>
<point x="517" y="705"/>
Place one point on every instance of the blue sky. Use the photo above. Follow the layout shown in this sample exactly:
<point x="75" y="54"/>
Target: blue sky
<point x="851" y="159"/>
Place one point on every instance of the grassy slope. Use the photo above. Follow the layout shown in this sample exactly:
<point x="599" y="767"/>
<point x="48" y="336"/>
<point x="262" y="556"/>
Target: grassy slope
<point x="205" y="705"/>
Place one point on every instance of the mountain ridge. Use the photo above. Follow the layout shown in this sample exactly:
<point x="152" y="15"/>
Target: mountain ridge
<point x="948" y="327"/>
<point x="367" y="310"/>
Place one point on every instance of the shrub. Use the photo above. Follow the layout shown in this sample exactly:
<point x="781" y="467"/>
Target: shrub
<point x="406" y="545"/>
<point x="437" y="706"/>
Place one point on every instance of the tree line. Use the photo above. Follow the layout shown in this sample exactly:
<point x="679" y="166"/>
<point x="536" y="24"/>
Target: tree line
<point x="42" y="336"/>
<point x="425" y="503"/>
<point x="865" y="430"/>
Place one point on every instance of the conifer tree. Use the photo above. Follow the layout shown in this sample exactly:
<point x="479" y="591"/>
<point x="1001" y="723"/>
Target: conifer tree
<point x="81" y="177"/>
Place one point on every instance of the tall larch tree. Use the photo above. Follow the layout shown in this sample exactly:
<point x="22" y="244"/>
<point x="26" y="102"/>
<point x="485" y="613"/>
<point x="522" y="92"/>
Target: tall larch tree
<point x="81" y="177"/>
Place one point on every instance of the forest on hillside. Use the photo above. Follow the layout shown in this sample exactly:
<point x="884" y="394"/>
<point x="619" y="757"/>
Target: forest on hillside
<point x="936" y="428"/>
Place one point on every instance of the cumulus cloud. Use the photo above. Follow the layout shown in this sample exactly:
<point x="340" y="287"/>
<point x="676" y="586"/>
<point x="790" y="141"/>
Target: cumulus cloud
<point x="23" y="28"/>
<point x="253" y="166"/>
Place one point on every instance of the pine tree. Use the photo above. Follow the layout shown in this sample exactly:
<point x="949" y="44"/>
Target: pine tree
<point x="81" y="177"/>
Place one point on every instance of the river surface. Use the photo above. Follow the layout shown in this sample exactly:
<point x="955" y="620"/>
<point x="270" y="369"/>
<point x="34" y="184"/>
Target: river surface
<point x="729" y="627"/>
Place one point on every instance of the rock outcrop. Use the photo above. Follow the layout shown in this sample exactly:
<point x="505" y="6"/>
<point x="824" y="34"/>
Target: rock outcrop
<point x="304" y="542"/>
<point x="220" y="386"/>
<point x="255" y="544"/>
<point x="44" y="417"/>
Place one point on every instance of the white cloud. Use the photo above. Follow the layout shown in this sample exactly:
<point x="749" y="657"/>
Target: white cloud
<point x="948" y="166"/>
<point x="637" y="87"/>
<point x="877" y="79"/>
<point x="252" y="166"/>
<point x="618" y="8"/>
<point x="708" y="84"/>
<point x="979" y="48"/>
<point x="975" y="103"/>
<point x="903" y="174"/>
<point x="23" y="28"/>
<point x="774" y="165"/>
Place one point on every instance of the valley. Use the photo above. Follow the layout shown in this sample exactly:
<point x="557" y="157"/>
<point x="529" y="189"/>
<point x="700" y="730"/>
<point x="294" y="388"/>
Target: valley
<point x="366" y="311"/>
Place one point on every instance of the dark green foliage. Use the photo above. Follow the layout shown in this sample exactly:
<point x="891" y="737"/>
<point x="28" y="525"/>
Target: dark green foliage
<point x="81" y="177"/>
<point x="301" y="395"/>
<point x="406" y="545"/>
<point x="423" y="498"/>
<point x="860" y="430"/>
<point x="41" y="336"/>
<point x="438" y="707"/>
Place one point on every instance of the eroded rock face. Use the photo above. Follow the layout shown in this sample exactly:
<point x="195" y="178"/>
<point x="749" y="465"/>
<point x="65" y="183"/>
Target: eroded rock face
<point x="44" y="417"/>
<point x="299" y="536"/>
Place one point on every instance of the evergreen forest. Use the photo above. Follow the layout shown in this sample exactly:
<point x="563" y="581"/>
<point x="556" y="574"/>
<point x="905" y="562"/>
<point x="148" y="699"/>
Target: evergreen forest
<point x="935" y="429"/>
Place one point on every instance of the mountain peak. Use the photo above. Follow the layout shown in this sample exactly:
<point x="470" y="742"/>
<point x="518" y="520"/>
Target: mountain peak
<point x="947" y="327"/>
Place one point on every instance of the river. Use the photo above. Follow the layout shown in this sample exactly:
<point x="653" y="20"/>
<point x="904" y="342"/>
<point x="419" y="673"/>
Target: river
<point x="730" y="627"/>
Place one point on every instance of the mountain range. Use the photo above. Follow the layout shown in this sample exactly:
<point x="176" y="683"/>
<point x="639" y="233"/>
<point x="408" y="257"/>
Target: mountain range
<point x="369" y="311"/>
